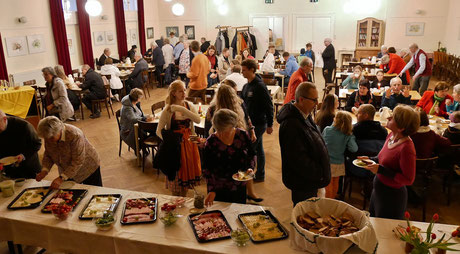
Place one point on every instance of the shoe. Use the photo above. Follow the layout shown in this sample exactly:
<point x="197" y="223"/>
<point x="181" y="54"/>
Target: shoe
<point x="72" y="119"/>
<point x="95" y="115"/>
<point x="255" y="199"/>
<point x="117" y="97"/>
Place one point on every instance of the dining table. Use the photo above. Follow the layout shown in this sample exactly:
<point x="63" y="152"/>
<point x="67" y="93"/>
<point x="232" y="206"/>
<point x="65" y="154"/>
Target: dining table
<point x="277" y="75"/>
<point x="378" y="94"/>
<point x="34" y="228"/>
<point x="16" y="101"/>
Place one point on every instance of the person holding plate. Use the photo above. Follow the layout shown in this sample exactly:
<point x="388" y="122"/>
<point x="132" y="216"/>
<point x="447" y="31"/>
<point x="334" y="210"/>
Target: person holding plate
<point x="228" y="151"/>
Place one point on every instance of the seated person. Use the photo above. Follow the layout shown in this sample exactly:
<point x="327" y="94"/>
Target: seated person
<point x="237" y="77"/>
<point x="56" y="101"/>
<point x="136" y="79"/>
<point x="380" y="81"/>
<point x="362" y="96"/>
<point x="104" y="56"/>
<point x="452" y="106"/>
<point x="73" y="97"/>
<point x="114" y="72"/>
<point x="453" y="131"/>
<point x="427" y="143"/>
<point x="94" y="83"/>
<point x="19" y="139"/>
<point x="394" y="95"/>
<point x="325" y="116"/>
<point x="434" y="102"/>
<point x="395" y="66"/>
<point x="352" y="81"/>
<point x="269" y="62"/>
<point x="132" y="52"/>
<point x="291" y="67"/>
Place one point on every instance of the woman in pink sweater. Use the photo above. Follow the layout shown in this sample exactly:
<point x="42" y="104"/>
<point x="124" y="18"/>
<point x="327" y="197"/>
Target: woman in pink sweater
<point x="395" y="168"/>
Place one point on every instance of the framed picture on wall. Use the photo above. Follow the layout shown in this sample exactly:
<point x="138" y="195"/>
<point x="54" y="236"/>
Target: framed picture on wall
<point x="133" y="37"/>
<point x="174" y="29"/>
<point x="71" y="43"/>
<point x="190" y="31"/>
<point x="16" y="46"/>
<point x="109" y="37"/>
<point x="150" y="34"/>
<point x="415" y="29"/>
<point x="36" y="43"/>
<point x="99" y="38"/>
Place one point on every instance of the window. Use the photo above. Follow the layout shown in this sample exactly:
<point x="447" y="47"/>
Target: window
<point x="130" y="5"/>
<point x="69" y="5"/>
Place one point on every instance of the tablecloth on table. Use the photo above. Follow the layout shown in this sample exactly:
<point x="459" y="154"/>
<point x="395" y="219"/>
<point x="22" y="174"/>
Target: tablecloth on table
<point x="17" y="102"/>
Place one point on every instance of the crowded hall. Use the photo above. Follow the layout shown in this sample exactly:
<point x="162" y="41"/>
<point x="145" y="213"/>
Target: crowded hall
<point x="229" y="126"/>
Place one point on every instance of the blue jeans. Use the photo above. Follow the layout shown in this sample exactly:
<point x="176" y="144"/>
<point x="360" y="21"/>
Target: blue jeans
<point x="259" y="148"/>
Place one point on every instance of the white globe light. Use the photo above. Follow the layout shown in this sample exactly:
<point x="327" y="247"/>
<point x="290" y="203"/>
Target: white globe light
<point x="168" y="0"/>
<point x="93" y="8"/>
<point x="218" y="2"/>
<point x="178" y="9"/>
<point x="223" y="9"/>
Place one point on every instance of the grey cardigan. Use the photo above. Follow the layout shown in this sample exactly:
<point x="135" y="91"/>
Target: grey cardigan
<point x="60" y="99"/>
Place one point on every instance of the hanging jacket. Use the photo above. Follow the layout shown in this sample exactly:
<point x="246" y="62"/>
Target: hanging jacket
<point x="254" y="45"/>
<point x="218" y="44"/>
<point x="226" y="40"/>
<point x="234" y="40"/>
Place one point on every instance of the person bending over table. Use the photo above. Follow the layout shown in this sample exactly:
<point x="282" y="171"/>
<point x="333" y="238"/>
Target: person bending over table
<point x="352" y="81"/>
<point x="380" y="81"/>
<point x="104" y="56"/>
<point x="67" y="147"/>
<point x="362" y="96"/>
<point x="394" y="95"/>
<point x="19" y="139"/>
<point x="434" y="102"/>
<point x="395" y="167"/>
<point x="452" y="106"/>
<point x="179" y="116"/>
<point x="94" y="83"/>
<point x="396" y="65"/>
<point x="227" y="152"/>
<point x="423" y="69"/>
<point x="325" y="116"/>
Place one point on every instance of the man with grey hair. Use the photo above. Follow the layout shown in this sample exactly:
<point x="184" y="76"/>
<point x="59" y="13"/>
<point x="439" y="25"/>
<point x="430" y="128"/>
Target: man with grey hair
<point x="383" y="51"/>
<point x="329" y="60"/>
<point x="452" y="106"/>
<point x="94" y="83"/>
<point x="423" y="70"/>
<point x="19" y="141"/>
<point x="304" y="156"/>
<point x="396" y="94"/>
<point x="300" y="75"/>
<point x="104" y="56"/>
<point x="136" y="78"/>
<point x="168" y="54"/>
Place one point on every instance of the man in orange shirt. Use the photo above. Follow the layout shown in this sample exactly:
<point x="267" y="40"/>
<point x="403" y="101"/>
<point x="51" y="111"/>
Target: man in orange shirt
<point x="395" y="65"/>
<point x="299" y="76"/>
<point x="198" y="73"/>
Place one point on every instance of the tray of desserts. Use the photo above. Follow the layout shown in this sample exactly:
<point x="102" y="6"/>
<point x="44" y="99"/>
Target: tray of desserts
<point x="30" y="198"/>
<point x="263" y="226"/>
<point x="139" y="211"/>
<point x="210" y="226"/>
<point x="71" y="197"/>
<point x="99" y="204"/>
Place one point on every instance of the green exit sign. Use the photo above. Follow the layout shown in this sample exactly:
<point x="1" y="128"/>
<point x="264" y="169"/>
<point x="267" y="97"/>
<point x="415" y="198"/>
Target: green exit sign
<point x="268" y="1"/>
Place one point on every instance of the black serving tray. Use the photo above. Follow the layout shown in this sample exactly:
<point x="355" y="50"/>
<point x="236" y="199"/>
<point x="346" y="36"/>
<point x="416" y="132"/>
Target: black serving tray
<point x="112" y="208"/>
<point x="272" y="217"/>
<point x="78" y="195"/>
<point x="155" y="207"/>
<point x="33" y="205"/>
<point x="190" y="217"/>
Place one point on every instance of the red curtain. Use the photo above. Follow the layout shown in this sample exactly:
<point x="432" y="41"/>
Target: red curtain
<point x="121" y="28"/>
<point x="85" y="33"/>
<point x="141" y="23"/>
<point x="60" y="35"/>
<point x="3" y="70"/>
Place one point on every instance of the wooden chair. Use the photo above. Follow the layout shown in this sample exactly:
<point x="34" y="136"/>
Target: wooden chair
<point x="108" y="77"/>
<point x="117" y="116"/>
<point x="145" y="85"/>
<point x="97" y="103"/>
<point x="148" y="142"/>
<point x="424" y="171"/>
<point x="158" y="105"/>
<point x="447" y="174"/>
<point x="38" y="96"/>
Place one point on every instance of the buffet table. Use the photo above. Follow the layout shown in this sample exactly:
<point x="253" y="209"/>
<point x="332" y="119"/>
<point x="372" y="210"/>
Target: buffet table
<point x="31" y="227"/>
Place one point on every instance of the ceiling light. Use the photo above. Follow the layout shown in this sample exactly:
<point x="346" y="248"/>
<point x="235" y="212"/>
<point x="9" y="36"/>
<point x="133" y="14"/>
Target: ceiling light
<point x="178" y="9"/>
<point x="223" y="9"/>
<point x="168" y="0"/>
<point x="93" y="7"/>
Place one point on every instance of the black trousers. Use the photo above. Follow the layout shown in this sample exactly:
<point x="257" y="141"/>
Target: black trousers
<point x="94" y="179"/>
<point x="387" y="202"/>
<point x="88" y="98"/>
<point x="301" y="195"/>
<point x="236" y="196"/>
<point x="327" y="73"/>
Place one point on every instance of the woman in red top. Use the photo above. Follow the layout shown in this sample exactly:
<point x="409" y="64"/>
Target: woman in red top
<point x="246" y="54"/>
<point x="212" y="76"/>
<point x="434" y="103"/>
<point x="395" y="168"/>
<point x="395" y="65"/>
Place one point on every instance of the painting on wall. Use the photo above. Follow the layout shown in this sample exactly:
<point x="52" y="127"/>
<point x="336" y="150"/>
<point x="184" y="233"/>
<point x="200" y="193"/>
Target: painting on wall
<point x="109" y="37"/>
<point x="99" y="38"/>
<point x="150" y="34"/>
<point x="190" y="31"/>
<point x="132" y="37"/>
<point x="71" y="43"/>
<point x="415" y="29"/>
<point x="16" y="46"/>
<point x="174" y="29"/>
<point x="36" y="43"/>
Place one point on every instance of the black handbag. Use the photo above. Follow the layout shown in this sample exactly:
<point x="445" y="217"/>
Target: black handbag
<point x="168" y="157"/>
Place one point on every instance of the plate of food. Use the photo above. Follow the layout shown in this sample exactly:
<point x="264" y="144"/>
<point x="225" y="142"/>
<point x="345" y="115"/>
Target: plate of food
<point x="194" y="139"/>
<point x="30" y="198"/>
<point x="139" y="211"/>
<point x="242" y="176"/>
<point x="71" y="197"/>
<point x="8" y="160"/>
<point x="99" y="204"/>
<point x="362" y="163"/>
<point x="263" y="226"/>
<point x="210" y="226"/>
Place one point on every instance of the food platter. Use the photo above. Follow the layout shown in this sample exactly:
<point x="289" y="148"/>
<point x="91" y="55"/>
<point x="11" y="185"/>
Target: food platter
<point x="139" y="211"/>
<point x="263" y="226"/>
<point x="71" y="197"/>
<point x="363" y="163"/>
<point x="30" y="198"/>
<point x="8" y="160"/>
<point x="242" y="176"/>
<point x="210" y="226"/>
<point x="99" y="204"/>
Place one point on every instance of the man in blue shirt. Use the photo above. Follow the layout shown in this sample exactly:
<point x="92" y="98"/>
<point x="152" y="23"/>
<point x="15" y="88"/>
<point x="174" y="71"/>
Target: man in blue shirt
<point x="291" y="67"/>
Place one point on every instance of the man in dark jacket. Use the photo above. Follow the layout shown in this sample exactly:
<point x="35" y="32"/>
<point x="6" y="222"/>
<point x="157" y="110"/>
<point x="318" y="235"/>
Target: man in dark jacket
<point x="259" y="104"/>
<point x="329" y="60"/>
<point x="136" y="79"/>
<point x="19" y="139"/>
<point x="396" y="94"/>
<point x="204" y="45"/>
<point x="95" y="85"/>
<point x="132" y="52"/>
<point x="157" y="58"/>
<point x="305" y="161"/>
<point x="104" y="56"/>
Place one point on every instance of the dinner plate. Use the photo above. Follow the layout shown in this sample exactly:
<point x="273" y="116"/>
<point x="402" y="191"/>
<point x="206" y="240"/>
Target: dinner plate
<point x="235" y="177"/>
<point x="8" y="160"/>
<point x="356" y="161"/>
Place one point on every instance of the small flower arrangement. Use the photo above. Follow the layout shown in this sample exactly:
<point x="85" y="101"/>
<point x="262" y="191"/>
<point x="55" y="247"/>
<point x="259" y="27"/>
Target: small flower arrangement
<point x="415" y="244"/>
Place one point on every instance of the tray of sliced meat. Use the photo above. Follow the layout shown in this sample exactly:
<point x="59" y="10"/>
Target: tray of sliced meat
<point x="210" y="226"/>
<point x="139" y="211"/>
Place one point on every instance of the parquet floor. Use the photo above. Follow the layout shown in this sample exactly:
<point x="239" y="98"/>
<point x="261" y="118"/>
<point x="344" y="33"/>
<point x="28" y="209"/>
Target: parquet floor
<point x="123" y="172"/>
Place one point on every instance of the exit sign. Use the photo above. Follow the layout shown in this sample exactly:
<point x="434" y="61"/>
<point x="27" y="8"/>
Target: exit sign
<point x="268" y="1"/>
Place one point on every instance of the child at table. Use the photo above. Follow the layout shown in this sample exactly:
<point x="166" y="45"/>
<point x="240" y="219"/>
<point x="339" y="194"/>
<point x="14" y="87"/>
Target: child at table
<point x="338" y="138"/>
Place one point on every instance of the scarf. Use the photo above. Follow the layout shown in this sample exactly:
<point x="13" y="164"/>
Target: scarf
<point x="437" y="101"/>
<point x="359" y="100"/>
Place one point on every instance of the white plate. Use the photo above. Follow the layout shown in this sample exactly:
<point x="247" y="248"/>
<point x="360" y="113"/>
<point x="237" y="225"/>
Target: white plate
<point x="8" y="160"/>
<point x="235" y="177"/>
<point x="355" y="162"/>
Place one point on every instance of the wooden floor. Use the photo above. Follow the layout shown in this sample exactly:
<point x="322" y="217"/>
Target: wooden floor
<point x="123" y="172"/>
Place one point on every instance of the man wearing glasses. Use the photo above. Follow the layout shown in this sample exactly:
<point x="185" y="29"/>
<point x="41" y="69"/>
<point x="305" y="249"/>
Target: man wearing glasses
<point x="305" y="161"/>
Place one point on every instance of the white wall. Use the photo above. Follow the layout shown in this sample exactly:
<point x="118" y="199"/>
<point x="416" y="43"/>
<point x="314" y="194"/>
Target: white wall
<point x="452" y="38"/>
<point x="151" y="19"/>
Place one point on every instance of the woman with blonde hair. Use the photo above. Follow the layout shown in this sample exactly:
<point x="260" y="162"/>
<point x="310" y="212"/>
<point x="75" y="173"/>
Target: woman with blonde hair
<point x="178" y="117"/>
<point x="352" y="81"/>
<point x="73" y="98"/>
<point x="338" y="137"/>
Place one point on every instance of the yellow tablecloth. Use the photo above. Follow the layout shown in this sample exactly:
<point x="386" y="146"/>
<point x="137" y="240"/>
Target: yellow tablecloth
<point x="17" y="102"/>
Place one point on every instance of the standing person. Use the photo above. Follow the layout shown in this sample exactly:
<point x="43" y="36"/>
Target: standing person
<point x="329" y="60"/>
<point x="422" y="68"/>
<point x="325" y="116"/>
<point x="260" y="108"/>
<point x="157" y="59"/>
<point x="362" y="96"/>
<point x="204" y="45"/>
<point x="185" y="61"/>
<point x="395" y="166"/>
<point x="224" y="63"/>
<point x="198" y="73"/>
<point x="395" y="65"/>
<point x="309" y="52"/>
<point x="94" y="83"/>
<point x="179" y="116"/>
<point x="73" y="97"/>
<point x="301" y="75"/>
<point x="168" y="54"/>
<point x="179" y="46"/>
<point x="211" y="55"/>
<point x="338" y="138"/>
<point x="396" y="94"/>
<point x="291" y="67"/>
<point x="56" y="100"/>
<point x="19" y="139"/>
<point x="304" y="157"/>
<point x="227" y="152"/>
<point x="173" y="40"/>
<point x="67" y="147"/>
<point x="115" y="82"/>
<point x="269" y="61"/>
<point x="136" y="78"/>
